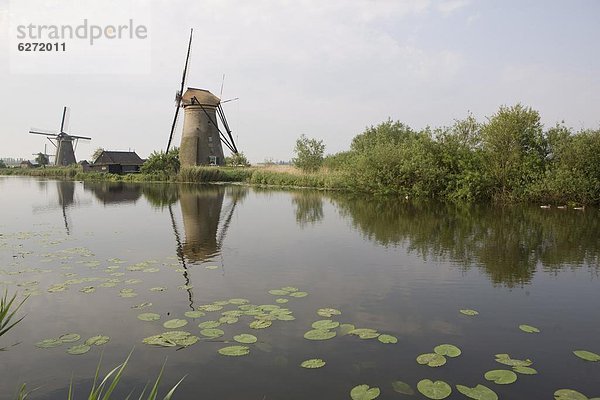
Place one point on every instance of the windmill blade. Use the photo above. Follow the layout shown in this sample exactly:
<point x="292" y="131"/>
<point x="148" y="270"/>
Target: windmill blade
<point x="80" y="137"/>
<point x="228" y="100"/>
<point x="65" y="119"/>
<point x="47" y="133"/>
<point x="180" y="93"/>
<point x="222" y="83"/>
<point x="226" y="126"/>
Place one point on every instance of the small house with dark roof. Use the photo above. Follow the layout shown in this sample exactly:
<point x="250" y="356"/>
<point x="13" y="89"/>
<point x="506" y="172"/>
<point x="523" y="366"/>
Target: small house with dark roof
<point x="118" y="162"/>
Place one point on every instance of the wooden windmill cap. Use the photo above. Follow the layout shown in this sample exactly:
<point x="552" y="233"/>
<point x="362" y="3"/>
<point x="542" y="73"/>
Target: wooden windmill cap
<point x="205" y="97"/>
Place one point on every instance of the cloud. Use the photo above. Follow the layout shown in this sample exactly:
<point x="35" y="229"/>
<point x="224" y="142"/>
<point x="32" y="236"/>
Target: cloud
<point x="447" y="7"/>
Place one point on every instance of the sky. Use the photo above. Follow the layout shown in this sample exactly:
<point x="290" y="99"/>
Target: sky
<point x="326" y="69"/>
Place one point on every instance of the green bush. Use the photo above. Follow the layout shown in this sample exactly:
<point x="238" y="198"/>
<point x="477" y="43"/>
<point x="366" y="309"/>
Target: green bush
<point x="161" y="162"/>
<point x="309" y="154"/>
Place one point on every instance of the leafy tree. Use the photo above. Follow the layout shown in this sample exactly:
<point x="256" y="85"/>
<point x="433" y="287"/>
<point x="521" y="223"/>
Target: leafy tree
<point x="161" y="162"/>
<point x="96" y="154"/>
<point x="2" y="164"/>
<point x="309" y="154"/>
<point x="42" y="159"/>
<point x="386" y="133"/>
<point x="238" y="159"/>
<point x="514" y="149"/>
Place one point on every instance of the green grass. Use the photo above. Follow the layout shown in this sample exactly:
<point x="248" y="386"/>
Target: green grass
<point x="104" y="389"/>
<point x="8" y="309"/>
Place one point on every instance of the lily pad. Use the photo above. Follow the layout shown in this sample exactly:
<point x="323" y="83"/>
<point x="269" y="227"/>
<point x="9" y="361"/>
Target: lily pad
<point x="143" y="305"/>
<point x="345" y="329"/>
<point x="175" y="323"/>
<point x="587" y="355"/>
<point x="194" y="314"/>
<point x="212" y="332"/>
<point x="98" y="340"/>
<point x="325" y="324"/>
<point x="402" y="388"/>
<point x="512" y="362"/>
<point x="234" y="351"/>
<point x="431" y="359"/>
<point x="299" y="294"/>
<point x="49" y="343"/>
<point x="529" y="328"/>
<point x="525" y="370"/>
<point x="209" y="324"/>
<point x="319" y="334"/>
<point x="260" y="324"/>
<point x="158" y="289"/>
<point x="569" y="394"/>
<point x="69" y="337"/>
<point x="328" y="312"/>
<point x="290" y="289"/>
<point x="212" y="267"/>
<point x="313" y="363"/>
<point x="210" y="307"/>
<point x="479" y="392"/>
<point x="87" y="289"/>
<point x="278" y="292"/>
<point x="501" y="376"/>
<point x="149" y="316"/>
<point x="281" y="301"/>
<point x="448" y="350"/>
<point x="245" y="338"/>
<point x="434" y="390"/>
<point x="79" y="349"/>
<point x="387" y="339"/>
<point x="238" y="301"/>
<point x="469" y="312"/>
<point x="364" y="392"/>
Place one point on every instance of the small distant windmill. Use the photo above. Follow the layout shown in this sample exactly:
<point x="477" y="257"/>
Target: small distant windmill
<point x="201" y="138"/>
<point x="65" y="154"/>
<point x="42" y="158"/>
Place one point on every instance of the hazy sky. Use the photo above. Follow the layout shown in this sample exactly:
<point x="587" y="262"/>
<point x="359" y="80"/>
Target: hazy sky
<point x="326" y="69"/>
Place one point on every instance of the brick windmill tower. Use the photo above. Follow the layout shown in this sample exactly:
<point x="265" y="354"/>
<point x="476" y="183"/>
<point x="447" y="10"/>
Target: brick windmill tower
<point x="202" y="140"/>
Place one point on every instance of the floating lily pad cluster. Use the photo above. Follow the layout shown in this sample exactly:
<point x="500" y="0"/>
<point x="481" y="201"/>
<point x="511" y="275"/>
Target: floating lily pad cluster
<point x="288" y="291"/>
<point x="77" y="349"/>
<point x="263" y="316"/>
<point x="520" y="366"/>
<point x="438" y="357"/>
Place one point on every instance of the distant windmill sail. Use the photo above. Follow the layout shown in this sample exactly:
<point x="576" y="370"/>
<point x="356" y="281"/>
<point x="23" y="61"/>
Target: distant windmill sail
<point x="180" y="92"/>
<point x="65" y="154"/>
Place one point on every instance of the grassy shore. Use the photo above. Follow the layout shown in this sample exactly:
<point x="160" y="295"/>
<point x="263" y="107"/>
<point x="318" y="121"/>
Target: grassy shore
<point x="281" y="176"/>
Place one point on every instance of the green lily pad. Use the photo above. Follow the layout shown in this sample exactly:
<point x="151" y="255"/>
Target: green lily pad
<point x="49" y="343"/>
<point x="501" y="376"/>
<point x="431" y="359"/>
<point x="228" y="320"/>
<point x="187" y="341"/>
<point x="313" y="363"/>
<point x="238" y="301"/>
<point x="234" y="351"/>
<point x="98" y="340"/>
<point x="212" y="332"/>
<point x="133" y="281"/>
<point x="69" y="337"/>
<point x="108" y="284"/>
<point x="479" y="392"/>
<point x="319" y="334"/>
<point x="245" y="338"/>
<point x="279" y="292"/>
<point x="158" y="289"/>
<point x="159" y="340"/>
<point x="434" y="390"/>
<point x="529" y="328"/>
<point x="512" y="362"/>
<point x="569" y="394"/>
<point x="149" y="316"/>
<point x="299" y="294"/>
<point x="345" y="329"/>
<point x="175" y="323"/>
<point x="525" y="370"/>
<point x="194" y="314"/>
<point x="281" y="301"/>
<point x="387" y="339"/>
<point x="260" y="324"/>
<point x="587" y="355"/>
<point x="87" y="289"/>
<point x="448" y="350"/>
<point x="402" y="388"/>
<point x="290" y="289"/>
<point x="364" y="392"/>
<point x="325" y="324"/>
<point x="210" y="307"/>
<point x="328" y="312"/>
<point x="79" y="349"/>
<point x="212" y="267"/>
<point x="209" y="324"/>
<point x="469" y="312"/>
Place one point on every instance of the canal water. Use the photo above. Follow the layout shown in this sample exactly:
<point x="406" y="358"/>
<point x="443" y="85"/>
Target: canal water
<point x="94" y="256"/>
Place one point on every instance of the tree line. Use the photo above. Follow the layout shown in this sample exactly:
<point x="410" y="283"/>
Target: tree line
<point x="509" y="158"/>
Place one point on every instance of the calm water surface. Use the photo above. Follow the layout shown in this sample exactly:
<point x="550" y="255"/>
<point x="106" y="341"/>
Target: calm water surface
<point x="404" y="269"/>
